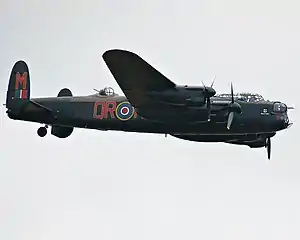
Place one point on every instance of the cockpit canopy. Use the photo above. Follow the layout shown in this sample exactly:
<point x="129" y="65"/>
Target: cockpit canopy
<point x="246" y="97"/>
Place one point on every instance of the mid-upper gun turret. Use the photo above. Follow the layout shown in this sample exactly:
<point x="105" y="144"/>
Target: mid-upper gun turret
<point x="107" y="91"/>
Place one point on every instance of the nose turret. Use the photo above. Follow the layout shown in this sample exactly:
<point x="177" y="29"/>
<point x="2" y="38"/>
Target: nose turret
<point x="280" y="110"/>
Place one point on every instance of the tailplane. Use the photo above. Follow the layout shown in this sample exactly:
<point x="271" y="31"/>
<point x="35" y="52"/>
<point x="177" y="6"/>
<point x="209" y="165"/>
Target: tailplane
<point x="19" y="84"/>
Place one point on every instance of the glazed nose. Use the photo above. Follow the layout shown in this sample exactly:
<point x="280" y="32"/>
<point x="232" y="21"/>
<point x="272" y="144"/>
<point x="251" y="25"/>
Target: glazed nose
<point x="287" y="122"/>
<point x="282" y="121"/>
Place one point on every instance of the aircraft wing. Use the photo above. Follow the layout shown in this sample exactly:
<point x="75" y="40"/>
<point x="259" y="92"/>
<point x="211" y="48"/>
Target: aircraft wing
<point x="135" y="76"/>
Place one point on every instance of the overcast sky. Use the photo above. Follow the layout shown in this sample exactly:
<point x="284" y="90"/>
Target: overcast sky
<point x="115" y="185"/>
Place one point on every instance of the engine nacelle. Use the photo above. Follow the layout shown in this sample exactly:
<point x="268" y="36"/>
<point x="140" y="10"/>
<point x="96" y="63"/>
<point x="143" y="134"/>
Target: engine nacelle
<point x="61" y="131"/>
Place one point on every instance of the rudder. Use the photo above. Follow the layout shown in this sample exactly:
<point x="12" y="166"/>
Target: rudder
<point x="19" y="83"/>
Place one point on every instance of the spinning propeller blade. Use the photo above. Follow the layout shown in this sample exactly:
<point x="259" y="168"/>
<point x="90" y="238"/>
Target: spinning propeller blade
<point x="231" y="114"/>
<point x="213" y="81"/>
<point x="233" y="107"/>
<point x="232" y="98"/>
<point x="230" y="119"/>
<point x="205" y="88"/>
<point x="268" y="146"/>
<point x="207" y="98"/>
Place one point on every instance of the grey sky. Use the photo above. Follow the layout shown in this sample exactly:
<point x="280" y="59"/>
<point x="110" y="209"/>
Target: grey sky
<point x="114" y="185"/>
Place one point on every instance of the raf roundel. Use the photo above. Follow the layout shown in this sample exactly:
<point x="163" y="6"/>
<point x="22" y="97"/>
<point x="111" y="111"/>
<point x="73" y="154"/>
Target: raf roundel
<point x="124" y="111"/>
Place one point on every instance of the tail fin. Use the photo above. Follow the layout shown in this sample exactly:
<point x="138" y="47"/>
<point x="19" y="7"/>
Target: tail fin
<point x="19" y="83"/>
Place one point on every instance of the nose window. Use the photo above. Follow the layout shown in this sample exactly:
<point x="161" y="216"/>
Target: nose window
<point x="279" y="107"/>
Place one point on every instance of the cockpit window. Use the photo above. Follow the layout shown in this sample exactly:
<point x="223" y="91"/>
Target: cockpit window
<point x="245" y="97"/>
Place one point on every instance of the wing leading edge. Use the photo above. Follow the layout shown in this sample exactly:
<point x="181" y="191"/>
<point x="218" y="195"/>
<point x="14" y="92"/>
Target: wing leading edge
<point x="135" y="76"/>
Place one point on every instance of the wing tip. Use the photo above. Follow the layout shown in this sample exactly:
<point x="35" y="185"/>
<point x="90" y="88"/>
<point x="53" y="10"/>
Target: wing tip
<point x="116" y="51"/>
<point x="109" y="51"/>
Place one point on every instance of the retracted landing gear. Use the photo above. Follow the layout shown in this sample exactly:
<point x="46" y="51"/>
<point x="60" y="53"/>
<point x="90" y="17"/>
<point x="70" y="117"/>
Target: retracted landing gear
<point x="42" y="131"/>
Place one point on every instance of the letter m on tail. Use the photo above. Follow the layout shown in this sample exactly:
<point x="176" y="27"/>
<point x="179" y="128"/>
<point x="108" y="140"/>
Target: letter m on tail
<point x="19" y="83"/>
<point x="21" y="90"/>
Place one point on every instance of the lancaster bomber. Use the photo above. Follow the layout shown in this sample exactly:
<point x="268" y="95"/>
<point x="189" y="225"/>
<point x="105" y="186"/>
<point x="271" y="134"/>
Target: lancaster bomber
<point x="152" y="104"/>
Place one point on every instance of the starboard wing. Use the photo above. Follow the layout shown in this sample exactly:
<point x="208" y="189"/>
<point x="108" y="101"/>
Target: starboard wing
<point x="135" y="76"/>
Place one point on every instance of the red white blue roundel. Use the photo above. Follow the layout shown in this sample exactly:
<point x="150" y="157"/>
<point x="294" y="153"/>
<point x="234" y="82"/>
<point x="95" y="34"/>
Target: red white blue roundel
<point x="124" y="111"/>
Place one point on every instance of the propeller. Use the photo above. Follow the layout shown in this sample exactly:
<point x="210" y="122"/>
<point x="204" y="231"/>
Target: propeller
<point x="208" y="93"/>
<point x="268" y="146"/>
<point x="233" y="107"/>
<point x="230" y="119"/>
<point x="213" y="81"/>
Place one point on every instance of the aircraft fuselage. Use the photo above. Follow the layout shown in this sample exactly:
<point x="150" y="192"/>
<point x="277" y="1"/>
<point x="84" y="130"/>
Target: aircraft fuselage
<point x="116" y="113"/>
